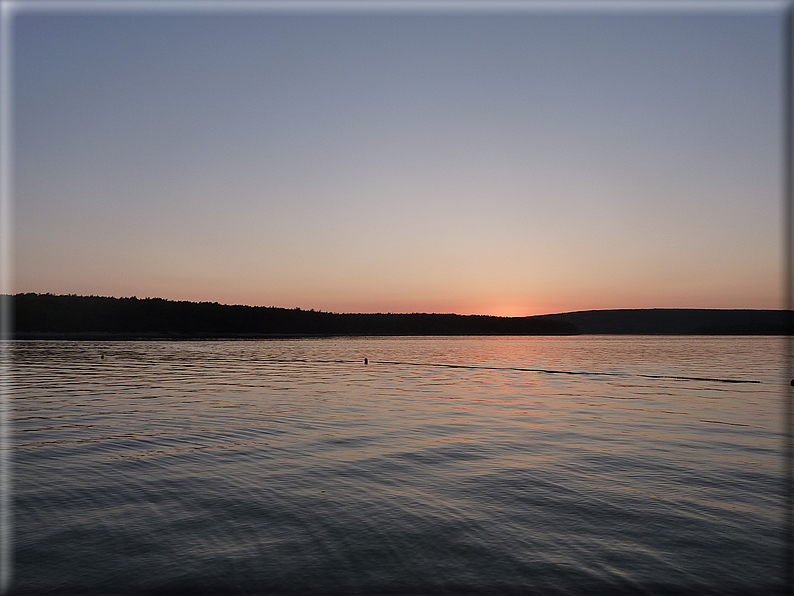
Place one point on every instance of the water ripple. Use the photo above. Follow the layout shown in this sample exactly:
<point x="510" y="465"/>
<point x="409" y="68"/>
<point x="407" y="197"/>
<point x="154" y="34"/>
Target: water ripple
<point x="289" y="466"/>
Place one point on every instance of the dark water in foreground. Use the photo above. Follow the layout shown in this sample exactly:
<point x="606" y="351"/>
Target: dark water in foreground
<point x="270" y="467"/>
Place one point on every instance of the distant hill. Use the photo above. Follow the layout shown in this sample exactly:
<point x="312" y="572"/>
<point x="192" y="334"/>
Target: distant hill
<point x="53" y="316"/>
<point x="676" y="321"/>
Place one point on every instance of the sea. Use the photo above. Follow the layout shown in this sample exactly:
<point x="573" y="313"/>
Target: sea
<point x="399" y="465"/>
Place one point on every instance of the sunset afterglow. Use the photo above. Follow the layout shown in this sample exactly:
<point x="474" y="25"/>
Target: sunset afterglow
<point x="478" y="163"/>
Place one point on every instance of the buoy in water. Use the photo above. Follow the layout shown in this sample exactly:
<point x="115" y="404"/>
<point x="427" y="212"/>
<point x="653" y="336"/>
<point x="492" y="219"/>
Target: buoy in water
<point x="367" y="362"/>
<point x="792" y="382"/>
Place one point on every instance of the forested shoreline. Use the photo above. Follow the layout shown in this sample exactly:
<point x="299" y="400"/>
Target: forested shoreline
<point x="96" y="317"/>
<point x="51" y="315"/>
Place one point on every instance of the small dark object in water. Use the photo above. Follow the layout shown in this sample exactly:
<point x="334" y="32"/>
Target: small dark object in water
<point x="792" y="382"/>
<point x="367" y="362"/>
<point x="103" y="357"/>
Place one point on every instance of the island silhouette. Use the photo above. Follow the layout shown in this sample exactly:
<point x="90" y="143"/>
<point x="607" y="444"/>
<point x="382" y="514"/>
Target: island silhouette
<point x="50" y="316"/>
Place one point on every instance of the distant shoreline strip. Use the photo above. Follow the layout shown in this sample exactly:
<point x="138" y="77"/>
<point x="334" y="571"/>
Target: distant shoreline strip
<point x="536" y="370"/>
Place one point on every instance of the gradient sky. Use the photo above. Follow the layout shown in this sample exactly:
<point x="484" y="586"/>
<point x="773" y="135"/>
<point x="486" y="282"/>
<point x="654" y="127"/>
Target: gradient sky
<point x="510" y="163"/>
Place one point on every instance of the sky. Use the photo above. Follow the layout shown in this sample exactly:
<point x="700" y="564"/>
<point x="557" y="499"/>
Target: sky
<point x="506" y="163"/>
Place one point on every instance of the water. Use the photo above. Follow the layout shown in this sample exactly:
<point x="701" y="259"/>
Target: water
<point x="290" y="466"/>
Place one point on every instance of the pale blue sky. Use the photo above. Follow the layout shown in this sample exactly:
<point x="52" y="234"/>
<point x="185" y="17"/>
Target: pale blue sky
<point x="513" y="163"/>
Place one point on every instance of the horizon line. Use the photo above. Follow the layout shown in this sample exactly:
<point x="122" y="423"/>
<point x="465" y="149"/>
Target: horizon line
<point x="298" y="308"/>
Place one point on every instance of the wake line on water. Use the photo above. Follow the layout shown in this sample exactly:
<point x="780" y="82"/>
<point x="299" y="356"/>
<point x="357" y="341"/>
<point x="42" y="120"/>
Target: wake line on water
<point x="537" y="370"/>
<point x="574" y="372"/>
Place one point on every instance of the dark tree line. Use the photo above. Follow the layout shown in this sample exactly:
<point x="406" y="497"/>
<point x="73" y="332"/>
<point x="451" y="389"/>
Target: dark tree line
<point x="37" y="315"/>
<point x="53" y="314"/>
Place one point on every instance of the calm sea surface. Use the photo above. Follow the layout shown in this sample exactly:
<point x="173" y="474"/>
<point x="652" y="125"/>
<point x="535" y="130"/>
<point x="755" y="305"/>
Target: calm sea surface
<point x="290" y="466"/>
